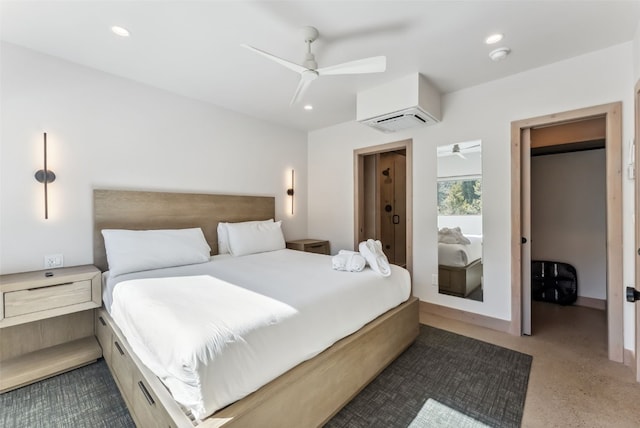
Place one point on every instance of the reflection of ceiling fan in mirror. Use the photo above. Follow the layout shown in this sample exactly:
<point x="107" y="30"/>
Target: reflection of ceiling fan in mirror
<point x="458" y="149"/>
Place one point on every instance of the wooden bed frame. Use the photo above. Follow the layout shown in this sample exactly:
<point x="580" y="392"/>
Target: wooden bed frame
<point x="307" y="395"/>
<point x="460" y="281"/>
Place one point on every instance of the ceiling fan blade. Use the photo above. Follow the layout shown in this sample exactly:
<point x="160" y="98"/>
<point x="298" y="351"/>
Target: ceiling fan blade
<point x="290" y="65"/>
<point x="375" y="64"/>
<point x="303" y="85"/>
<point x="460" y="154"/>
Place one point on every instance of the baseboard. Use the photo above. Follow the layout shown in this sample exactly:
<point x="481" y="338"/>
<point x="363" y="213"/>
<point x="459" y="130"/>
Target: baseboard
<point x="629" y="359"/>
<point x="464" y="316"/>
<point x="590" y="302"/>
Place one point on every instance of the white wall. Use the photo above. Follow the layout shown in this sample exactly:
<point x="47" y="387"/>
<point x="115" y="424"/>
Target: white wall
<point x="108" y="132"/>
<point x="568" y="215"/>
<point x="481" y="112"/>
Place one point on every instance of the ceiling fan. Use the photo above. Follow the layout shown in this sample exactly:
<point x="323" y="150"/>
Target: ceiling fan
<point x="456" y="150"/>
<point x="309" y="70"/>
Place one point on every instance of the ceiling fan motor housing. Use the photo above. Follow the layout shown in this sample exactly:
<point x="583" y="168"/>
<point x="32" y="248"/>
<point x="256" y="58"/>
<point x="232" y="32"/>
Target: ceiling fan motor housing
<point x="310" y="34"/>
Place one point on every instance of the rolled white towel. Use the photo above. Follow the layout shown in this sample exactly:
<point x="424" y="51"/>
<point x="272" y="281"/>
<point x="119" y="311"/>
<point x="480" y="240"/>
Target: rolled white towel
<point x="356" y="263"/>
<point x="376" y="259"/>
<point x="339" y="262"/>
<point x="349" y="261"/>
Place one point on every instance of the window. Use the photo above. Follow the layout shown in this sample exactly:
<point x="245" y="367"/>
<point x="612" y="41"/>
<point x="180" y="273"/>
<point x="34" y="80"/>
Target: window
<point x="460" y="195"/>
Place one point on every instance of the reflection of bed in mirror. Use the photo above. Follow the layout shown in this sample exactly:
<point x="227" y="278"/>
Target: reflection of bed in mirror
<point x="460" y="266"/>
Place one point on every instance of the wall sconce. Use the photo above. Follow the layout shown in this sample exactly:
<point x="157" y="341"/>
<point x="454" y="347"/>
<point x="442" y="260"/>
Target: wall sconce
<point x="45" y="176"/>
<point x="290" y="192"/>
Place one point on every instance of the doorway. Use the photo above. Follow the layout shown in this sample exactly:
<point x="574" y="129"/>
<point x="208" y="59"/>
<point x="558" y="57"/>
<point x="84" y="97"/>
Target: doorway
<point x="383" y="190"/>
<point x="521" y="220"/>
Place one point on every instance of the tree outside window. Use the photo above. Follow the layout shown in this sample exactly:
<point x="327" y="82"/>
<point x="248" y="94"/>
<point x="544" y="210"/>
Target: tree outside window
<point x="460" y="196"/>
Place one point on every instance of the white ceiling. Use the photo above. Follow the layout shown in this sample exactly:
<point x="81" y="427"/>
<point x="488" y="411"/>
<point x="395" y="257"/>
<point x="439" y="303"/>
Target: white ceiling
<point x="193" y="47"/>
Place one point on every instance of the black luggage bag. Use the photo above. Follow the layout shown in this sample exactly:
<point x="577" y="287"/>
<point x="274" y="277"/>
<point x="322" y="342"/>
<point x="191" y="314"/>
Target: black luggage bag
<point x="553" y="282"/>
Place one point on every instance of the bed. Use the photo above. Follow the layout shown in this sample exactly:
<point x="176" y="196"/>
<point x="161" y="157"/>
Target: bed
<point x="460" y="266"/>
<point x="318" y="386"/>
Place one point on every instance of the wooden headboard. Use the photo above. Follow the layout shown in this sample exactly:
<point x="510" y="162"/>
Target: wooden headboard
<point x="124" y="209"/>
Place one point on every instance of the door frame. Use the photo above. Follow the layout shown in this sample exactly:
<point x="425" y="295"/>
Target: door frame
<point x="358" y="203"/>
<point x="636" y="97"/>
<point x="613" y="152"/>
<point x="525" y="225"/>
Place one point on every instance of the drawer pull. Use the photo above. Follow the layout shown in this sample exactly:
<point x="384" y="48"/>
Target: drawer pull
<point x="119" y="348"/>
<point x="102" y="321"/>
<point x="48" y="286"/>
<point x="316" y="246"/>
<point x="146" y="393"/>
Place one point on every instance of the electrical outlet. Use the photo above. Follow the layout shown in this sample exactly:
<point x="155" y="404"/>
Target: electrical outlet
<point x="53" y="261"/>
<point x="434" y="279"/>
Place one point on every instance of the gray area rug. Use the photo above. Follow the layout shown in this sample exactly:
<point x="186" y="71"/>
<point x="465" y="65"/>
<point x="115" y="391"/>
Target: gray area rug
<point x="442" y="380"/>
<point x="84" y="397"/>
<point x="485" y="382"/>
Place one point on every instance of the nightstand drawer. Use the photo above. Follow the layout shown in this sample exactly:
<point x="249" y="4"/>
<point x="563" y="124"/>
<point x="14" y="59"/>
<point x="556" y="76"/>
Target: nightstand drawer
<point x="310" y="246"/>
<point x="45" y="298"/>
<point x="320" y="248"/>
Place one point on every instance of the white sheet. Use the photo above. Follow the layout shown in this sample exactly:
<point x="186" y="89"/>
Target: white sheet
<point x="459" y="255"/>
<point x="213" y="342"/>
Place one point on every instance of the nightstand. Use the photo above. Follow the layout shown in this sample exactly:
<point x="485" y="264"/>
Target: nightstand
<point x="46" y="323"/>
<point x="310" y="246"/>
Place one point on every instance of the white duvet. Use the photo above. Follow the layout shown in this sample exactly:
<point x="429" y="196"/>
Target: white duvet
<point x="217" y="331"/>
<point x="460" y="255"/>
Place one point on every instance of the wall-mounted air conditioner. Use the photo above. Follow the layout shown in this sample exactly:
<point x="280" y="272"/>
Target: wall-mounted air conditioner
<point x="403" y="103"/>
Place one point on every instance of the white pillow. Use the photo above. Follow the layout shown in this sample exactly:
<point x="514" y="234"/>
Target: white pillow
<point x="137" y="250"/>
<point x="250" y="238"/>
<point x="223" y="234"/>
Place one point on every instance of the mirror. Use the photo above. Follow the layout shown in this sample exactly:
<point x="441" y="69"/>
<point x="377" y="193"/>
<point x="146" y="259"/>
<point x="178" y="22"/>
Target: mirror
<point x="460" y="220"/>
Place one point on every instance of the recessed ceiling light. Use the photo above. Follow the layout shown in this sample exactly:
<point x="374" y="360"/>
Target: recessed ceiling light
<point x="494" y="38"/>
<point x="308" y="107"/>
<point x="120" y="31"/>
<point x="499" y="54"/>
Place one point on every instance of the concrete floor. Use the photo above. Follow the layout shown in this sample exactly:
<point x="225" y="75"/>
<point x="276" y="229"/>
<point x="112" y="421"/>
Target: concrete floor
<point x="572" y="382"/>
